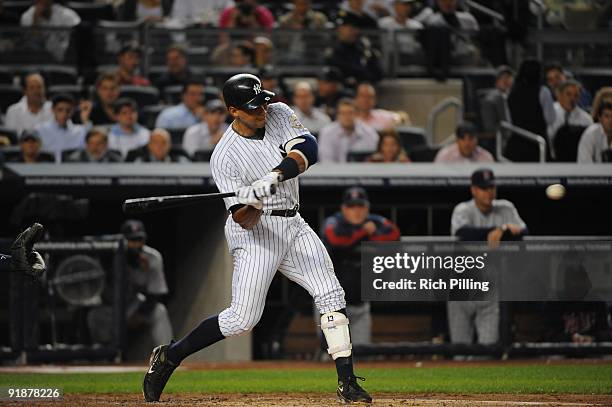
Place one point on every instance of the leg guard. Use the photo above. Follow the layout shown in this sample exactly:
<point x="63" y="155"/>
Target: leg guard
<point x="336" y="331"/>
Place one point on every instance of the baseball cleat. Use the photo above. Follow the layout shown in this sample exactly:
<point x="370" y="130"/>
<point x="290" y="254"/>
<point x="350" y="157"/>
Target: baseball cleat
<point x="349" y="391"/>
<point x="160" y="369"/>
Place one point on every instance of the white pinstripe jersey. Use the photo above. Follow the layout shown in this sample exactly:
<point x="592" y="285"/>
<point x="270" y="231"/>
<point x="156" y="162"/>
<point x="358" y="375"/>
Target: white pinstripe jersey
<point x="239" y="161"/>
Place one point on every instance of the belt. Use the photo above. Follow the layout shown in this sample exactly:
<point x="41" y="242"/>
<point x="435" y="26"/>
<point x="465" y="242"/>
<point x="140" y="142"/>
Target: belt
<point x="286" y="213"/>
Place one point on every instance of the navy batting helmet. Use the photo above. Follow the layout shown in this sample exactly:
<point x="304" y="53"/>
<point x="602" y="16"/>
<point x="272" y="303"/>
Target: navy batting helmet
<point x="244" y="92"/>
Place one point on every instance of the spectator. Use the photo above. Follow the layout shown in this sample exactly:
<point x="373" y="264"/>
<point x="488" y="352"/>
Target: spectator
<point x="30" y="146"/>
<point x="242" y="55"/>
<point x="314" y="119"/>
<point x="145" y="286"/>
<point x="483" y="218"/>
<point x="603" y="95"/>
<point x="129" y="61"/>
<point x="271" y="80"/>
<point x="342" y="235"/>
<point x="597" y="138"/>
<point x="96" y="149"/>
<point x="206" y="135"/>
<point x="177" y="69"/>
<point x="494" y="106"/>
<point x="447" y="37"/>
<point x="345" y="135"/>
<point x="330" y="90"/>
<point x="389" y="149"/>
<point x="465" y="149"/>
<point x="60" y="133"/>
<point x="246" y="14"/>
<point x="408" y="44"/>
<point x="531" y="108"/>
<point x="107" y="93"/>
<point x="303" y="17"/>
<point x="555" y="75"/>
<point x="8" y="17"/>
<point x="157" y="150"/>
<point x="353" y="54"/>
<point x="379" y="119"/>
<point x="375" y="8"/>
<point x="263" y="52"/>
<point x="45" y="13"/>
<point x="187" y="112"/>
<point x="206" y="13"/>
<point x="32" y="109"/>
<point x="127" y="134"/>
<point x="570" y="122"/>
<point x="356" y="11"/>
<point x="144" y="10"/>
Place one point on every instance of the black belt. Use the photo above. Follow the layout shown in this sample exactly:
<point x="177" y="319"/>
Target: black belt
<point x="286" y="213"/>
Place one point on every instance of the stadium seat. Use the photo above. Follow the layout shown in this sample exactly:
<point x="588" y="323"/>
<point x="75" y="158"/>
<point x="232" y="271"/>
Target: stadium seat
<point x="7" y="75"/>
<point x="148" y="115"/>
<point x="177" y="136"/>
<point x="91" y="12"/>
<point x="358" y="157"/>
<point x="17" y="6"/>
<point x="424" y="153"/>
<point x="143" y="95"/>
<point x="202" y="155"/>
<point x="53" y="74"/>
<point x="411" y="137"/>
<point x="76" y="91"/>
<point x="9" y="94"/>
<point x="172" y="94"/>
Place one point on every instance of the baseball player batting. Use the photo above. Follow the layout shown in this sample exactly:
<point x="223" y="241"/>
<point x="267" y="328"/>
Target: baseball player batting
<point x="265" y="149"/>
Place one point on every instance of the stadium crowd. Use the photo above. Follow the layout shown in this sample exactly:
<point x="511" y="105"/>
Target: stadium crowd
<point x="173" y="113"/>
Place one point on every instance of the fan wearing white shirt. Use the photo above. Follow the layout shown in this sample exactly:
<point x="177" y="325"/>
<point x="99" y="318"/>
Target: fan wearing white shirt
<point x="59" y="133"/>
<point x="127" y="134"/>
<point x="32" y="109"/>
<point x="313" y="118"/>
<point x="566" y="108"/>
<point x="206" y="135"/>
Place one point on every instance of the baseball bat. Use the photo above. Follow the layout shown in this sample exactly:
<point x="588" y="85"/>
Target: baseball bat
<point x="157" y="203"/>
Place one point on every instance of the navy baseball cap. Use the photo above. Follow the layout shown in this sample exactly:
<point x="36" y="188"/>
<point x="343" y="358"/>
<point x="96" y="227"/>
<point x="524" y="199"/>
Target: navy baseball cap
<point x="355" y="196"/>
<point x="133" y="229"/>
<point x="483" y="178"/>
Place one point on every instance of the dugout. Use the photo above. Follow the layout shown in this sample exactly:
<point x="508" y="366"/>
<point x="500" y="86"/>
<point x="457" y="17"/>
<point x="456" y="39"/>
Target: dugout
<point x="419" y="197"/>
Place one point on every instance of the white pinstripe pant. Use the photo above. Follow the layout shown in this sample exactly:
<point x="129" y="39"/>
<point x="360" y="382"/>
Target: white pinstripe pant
<point x="288" y="245"/>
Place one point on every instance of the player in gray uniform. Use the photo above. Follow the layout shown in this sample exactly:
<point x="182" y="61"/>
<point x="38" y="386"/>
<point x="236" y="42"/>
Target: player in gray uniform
<point x="259" y="157"/>
<point x="483" y="218"/>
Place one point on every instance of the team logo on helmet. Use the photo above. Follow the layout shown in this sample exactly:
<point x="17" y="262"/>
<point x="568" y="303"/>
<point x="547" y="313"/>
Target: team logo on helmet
<point x="257" y="88"/>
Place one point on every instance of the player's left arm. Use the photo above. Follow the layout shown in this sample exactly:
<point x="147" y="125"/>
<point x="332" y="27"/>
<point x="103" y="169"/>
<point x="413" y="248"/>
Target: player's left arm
<point x="386" y="231"/>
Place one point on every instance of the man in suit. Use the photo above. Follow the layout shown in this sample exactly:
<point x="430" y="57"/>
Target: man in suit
<point x="494" y="107"/>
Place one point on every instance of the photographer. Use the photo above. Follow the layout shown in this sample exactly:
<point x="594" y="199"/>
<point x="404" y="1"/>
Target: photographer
<point x="144" y="286"/>
<point x="246" y="14"/>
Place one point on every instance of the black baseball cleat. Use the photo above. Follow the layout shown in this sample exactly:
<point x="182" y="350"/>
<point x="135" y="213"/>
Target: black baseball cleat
<point x="349" y="391"/>
<point x="160" y="369"/>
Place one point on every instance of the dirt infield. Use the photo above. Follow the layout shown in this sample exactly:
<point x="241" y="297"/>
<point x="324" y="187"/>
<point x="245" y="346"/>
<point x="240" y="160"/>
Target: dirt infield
<point x="307" y="399"/>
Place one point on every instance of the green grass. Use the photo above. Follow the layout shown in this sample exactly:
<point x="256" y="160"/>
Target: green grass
<point x="550" y="379"/>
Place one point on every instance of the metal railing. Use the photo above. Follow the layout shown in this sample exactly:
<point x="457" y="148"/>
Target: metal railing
<point x="517" y="131"/>
<point x="496" y="16"/>
<point x="438" y="109"/>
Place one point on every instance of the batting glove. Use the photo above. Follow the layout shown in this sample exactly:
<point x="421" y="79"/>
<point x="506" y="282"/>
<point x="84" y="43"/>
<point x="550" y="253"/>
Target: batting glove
<point x="246" y="196"/>
<point x="266" y="186"/>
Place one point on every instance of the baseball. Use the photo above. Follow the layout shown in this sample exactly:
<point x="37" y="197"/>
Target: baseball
<point x="555" y="191"/>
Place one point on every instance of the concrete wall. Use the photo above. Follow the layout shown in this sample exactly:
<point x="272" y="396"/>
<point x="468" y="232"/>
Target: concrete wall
<point x="418" y="96"/>
<point x="204" y="279"/>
